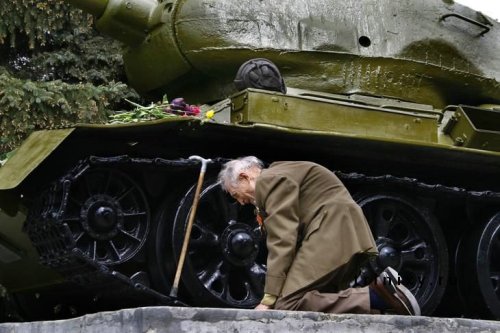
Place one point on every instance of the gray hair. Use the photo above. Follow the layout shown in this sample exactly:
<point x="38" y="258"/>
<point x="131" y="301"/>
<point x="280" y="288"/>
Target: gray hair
<point x="230" y="171"/>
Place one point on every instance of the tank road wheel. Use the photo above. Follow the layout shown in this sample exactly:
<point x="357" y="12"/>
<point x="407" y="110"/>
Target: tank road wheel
<point x="225" y="264"/>
<point x="108" y="215"/>
<point x="478" y="269"/>
<point x="410" y="240"/>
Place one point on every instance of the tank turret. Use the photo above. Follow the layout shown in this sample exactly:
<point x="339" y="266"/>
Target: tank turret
<point x="424" y="52"/>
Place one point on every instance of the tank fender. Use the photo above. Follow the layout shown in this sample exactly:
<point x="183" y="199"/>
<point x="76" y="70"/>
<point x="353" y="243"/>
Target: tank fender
<point x="34" y="150"/>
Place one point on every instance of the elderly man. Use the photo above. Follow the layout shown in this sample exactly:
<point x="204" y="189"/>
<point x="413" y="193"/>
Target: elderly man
<point x="317" y="240"/>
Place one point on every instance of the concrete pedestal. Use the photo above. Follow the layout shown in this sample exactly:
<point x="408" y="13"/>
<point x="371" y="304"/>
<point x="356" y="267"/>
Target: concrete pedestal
<point x="205" y="320"/>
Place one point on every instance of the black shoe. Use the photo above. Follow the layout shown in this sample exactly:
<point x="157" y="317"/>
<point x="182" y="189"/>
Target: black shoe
<point x="394" y="294"/>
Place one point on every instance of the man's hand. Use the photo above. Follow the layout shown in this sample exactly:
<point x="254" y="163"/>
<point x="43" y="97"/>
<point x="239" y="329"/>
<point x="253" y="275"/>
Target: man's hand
<point x="262" y="307"/>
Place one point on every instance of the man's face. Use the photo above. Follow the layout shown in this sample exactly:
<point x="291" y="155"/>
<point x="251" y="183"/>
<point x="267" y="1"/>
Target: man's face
<point x="244" y="190"/>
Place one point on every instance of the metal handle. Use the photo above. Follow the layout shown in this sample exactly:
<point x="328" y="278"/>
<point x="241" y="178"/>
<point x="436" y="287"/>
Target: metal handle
<point x="469" y="20"/>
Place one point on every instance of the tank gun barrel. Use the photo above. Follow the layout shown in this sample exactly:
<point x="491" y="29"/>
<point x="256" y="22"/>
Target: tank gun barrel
<point x="153" y="58"/>
<point x="128" y="21"/>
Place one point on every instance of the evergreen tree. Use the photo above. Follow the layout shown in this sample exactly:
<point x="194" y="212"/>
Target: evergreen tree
<point x="55" y="70"/>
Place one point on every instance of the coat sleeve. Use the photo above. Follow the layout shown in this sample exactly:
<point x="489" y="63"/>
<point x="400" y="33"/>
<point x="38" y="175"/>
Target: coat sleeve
<point x="280" y="199"/>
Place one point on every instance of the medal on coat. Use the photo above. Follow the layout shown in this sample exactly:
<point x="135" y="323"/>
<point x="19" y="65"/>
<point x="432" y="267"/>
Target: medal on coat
<point x="260" y="215"/>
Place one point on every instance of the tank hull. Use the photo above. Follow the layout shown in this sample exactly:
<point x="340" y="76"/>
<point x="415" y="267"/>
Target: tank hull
<point x="385" y="154"/>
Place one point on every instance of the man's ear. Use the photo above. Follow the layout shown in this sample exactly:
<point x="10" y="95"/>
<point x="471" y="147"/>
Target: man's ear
<point x="243" y="175"/>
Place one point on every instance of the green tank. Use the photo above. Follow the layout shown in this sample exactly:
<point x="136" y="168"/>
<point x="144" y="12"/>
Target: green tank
<point x="400" y="99"/>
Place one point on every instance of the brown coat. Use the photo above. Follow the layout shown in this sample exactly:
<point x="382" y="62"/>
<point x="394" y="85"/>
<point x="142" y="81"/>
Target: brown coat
<point x="313" y="225"/>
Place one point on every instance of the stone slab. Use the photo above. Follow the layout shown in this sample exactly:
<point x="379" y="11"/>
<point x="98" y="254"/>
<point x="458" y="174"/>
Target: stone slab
<point x="210" y="320"/>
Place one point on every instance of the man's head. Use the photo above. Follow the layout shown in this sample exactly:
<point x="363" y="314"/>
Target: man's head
<point x="238" y="177"/>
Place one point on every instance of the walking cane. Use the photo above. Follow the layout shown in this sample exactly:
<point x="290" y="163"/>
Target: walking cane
<point x="187" y="235"/>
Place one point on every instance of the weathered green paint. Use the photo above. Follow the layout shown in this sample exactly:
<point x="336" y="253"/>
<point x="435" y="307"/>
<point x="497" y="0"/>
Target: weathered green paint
<point x="130" y="21"/>
<point x="409" y="49"/>
<point x="305" y="112"/>
<point x="318" y="113"/>
<point x="153" y="58"/>
<point x="160" y="57"/>
<point x="475" y="128"/>
<point x="32" y="152"/>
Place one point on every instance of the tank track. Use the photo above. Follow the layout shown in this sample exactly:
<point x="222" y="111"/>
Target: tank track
<point x="57" y="249"/>
<point x="53" y="240"/>
<point x="416" y="186"/>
